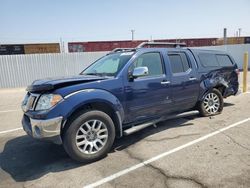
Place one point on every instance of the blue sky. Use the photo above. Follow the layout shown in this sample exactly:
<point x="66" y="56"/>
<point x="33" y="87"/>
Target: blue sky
<point x="28" y="21"/>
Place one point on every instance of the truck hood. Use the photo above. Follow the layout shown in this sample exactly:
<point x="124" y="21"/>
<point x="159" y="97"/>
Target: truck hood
<point x="59" y="82"/>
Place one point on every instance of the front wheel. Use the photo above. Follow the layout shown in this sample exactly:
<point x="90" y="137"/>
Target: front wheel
<point x="89" y="137"/>
<point x="212" y="103"/>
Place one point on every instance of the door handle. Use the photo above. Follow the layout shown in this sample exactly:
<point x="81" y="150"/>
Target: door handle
<point x="165" y="82"/>
<point x="192" y="78"/>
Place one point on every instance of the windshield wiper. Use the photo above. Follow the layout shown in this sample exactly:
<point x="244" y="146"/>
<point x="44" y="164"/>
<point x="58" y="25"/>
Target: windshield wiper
<point x="99" y="74"/>
<point x="89" y="73"/>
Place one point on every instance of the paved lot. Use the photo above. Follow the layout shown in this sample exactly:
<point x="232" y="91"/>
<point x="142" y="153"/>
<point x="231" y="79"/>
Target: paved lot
<point x="189" y="153"/>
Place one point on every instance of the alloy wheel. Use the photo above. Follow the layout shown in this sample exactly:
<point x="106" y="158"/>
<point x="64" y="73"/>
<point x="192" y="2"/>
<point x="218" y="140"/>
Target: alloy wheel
<point x="91" y="136"/>
<point x="211" y="103"/>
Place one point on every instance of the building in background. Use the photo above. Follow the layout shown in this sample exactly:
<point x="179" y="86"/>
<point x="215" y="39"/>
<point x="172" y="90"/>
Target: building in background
<point x="234" y="40"/>
<point x="95" y="46"/>
<point x="99" y="46"/>
<point x="12" y="49"/>
<point x="42" y="48"/>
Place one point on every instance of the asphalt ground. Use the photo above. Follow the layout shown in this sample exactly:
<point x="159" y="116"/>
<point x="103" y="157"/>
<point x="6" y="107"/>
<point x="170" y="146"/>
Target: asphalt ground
<point x="186" y="152"/>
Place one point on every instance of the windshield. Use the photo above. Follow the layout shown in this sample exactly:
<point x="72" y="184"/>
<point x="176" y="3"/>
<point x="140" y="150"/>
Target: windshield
<point x="109" y="65"/>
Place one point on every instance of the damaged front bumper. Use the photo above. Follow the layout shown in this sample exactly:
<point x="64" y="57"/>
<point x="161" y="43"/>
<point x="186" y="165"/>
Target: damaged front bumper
<point x="49" y="129"/>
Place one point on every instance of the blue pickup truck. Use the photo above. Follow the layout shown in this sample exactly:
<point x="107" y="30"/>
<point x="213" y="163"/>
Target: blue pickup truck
<point x="125" y="91"/>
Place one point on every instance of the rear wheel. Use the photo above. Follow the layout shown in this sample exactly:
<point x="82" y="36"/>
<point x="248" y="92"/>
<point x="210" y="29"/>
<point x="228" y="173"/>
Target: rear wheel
<point x="89" y="137"/>
<point x="212" y="103"/>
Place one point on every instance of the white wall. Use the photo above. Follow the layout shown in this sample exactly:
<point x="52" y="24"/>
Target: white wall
<point x="22" y="70"/>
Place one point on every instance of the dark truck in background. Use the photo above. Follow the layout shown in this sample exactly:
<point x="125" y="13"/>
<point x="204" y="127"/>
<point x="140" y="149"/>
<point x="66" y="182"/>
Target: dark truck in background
<point x="125" y="91"/>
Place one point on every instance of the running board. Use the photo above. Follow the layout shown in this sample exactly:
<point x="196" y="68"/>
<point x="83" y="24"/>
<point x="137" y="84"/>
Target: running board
<point x="144" y="125"/>
<point x="138" y="128"/>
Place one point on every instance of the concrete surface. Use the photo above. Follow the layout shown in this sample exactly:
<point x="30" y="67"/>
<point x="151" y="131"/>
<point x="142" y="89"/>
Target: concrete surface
<point x="222" y="160"/>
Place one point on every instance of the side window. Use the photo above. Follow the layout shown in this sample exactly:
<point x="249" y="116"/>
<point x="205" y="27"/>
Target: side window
<point x="224" y="60"/>
<point x="178" y="62"/>
<point x="208" y="60"/>
<point x="185" y="63"/>
<point x="152" y="60"/>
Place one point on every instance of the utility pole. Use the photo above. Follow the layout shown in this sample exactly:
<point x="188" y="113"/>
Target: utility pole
<point x="225" y="36"/>
<point x="132" y="32"/>
<point x="62" y="45"/>
<point x="239" y="31"/>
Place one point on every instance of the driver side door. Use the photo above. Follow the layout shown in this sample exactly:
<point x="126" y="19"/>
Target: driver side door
<point x="148" y="96"/>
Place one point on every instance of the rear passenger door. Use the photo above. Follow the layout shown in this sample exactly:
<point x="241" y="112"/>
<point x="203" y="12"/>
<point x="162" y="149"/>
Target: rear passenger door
<point x="184" y="81"/>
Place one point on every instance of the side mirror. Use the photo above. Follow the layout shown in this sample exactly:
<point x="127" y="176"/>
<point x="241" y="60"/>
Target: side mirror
<point x="140" y="72"/>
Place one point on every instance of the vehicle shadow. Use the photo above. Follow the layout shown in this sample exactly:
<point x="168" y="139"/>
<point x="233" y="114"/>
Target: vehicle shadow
<point x="26" y="159"/>
<point x="129" y="140"/>
<point x="227" y="104"/>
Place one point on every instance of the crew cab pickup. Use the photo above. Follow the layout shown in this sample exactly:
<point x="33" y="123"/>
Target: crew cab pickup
<point x="125" y="91"/>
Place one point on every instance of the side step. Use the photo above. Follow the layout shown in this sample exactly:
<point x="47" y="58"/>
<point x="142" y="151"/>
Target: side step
<point x="138" y="128"/>
<point x="144" y="125"/>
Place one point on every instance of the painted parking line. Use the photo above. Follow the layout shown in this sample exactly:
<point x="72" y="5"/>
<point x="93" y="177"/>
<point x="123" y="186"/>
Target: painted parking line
<point x="11" y="130"/>
<point x="6" y="111"/>
<point x="132" y="168"/>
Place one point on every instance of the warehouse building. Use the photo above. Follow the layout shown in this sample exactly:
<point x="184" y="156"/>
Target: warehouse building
<point x="95" y="46"/>
<point x="12" y="49"/>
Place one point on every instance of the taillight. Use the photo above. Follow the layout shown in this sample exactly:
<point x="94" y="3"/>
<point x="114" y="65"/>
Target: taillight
<point x="237" y="71"/>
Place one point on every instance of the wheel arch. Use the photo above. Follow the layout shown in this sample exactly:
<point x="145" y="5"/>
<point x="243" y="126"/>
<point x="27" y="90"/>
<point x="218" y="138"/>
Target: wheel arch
<point x="95" y="99"/>
<point x="101" y="106"/>
<point x="209" y="84"/>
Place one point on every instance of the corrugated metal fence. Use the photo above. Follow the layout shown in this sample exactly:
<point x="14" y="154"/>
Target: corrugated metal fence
<point x="22" y="70"/>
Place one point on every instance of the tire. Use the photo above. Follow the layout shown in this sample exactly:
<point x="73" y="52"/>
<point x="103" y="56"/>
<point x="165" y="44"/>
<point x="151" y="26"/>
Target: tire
<point x="89" y="136"/>
<point x="212" y="103"/>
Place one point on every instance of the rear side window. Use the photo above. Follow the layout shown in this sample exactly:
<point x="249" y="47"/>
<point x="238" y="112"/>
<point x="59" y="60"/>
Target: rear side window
<point x="224" y="60"/>
<point x="208" y="60"/>
<point x="178" y="62"/>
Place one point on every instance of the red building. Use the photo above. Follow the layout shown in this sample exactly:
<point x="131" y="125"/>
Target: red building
<point x="94" y="46"/>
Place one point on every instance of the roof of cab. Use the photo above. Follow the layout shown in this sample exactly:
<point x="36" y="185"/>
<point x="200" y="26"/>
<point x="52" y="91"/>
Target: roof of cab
<point x="151" y="46"/>
<point x="199" y="50"/>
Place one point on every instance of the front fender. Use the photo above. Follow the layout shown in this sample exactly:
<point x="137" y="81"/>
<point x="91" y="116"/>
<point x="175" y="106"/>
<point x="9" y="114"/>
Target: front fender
<point x="75" y="100"/>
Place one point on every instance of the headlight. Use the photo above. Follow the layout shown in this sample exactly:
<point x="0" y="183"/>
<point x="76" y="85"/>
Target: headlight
<point x="47" y="101"/>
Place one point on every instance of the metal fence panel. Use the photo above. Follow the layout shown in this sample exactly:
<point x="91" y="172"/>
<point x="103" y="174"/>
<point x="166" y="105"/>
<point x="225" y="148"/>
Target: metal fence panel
<point x="22" y="70"/>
